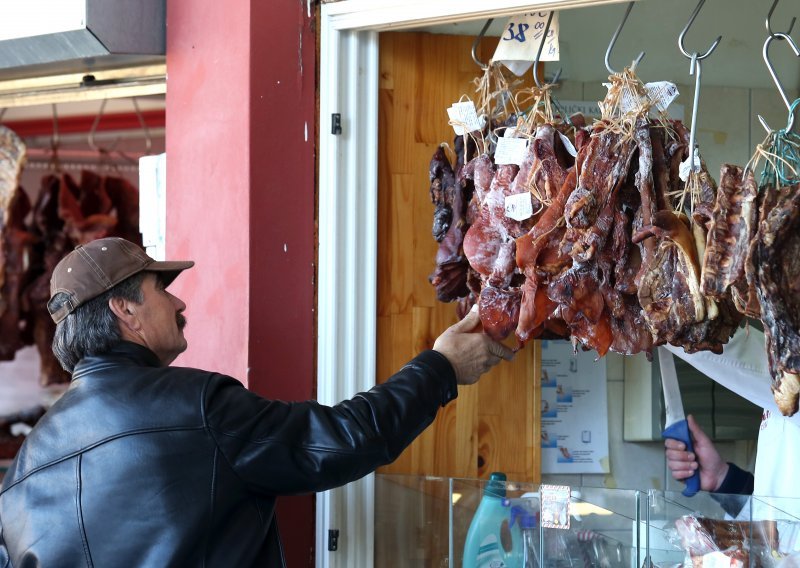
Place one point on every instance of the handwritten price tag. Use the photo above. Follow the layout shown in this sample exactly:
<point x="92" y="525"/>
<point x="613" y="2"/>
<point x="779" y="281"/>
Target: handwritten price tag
<point x="519" y="206"/>
<point x="464" y="118"/>
<point x="510" y="151"/>
<point x="662" y="93"/>
<point x="521" y="38"/>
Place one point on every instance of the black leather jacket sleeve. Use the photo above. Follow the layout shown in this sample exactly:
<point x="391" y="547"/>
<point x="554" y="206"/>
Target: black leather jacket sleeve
<point x="289" y="448"/>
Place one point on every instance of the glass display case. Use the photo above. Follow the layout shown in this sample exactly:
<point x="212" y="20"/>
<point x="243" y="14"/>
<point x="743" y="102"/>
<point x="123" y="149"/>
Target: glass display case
<point x="425" y="521"/>
<point x="714" y="530"/>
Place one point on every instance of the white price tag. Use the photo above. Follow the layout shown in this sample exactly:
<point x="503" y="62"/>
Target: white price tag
<point x="662" y="93"/>
<point x="519" y="206"/>
<point x="568" y="145"/>
<point x="684" y="170"/>
<point x="629" y="102"/>
<point x="464" y="118"/>
<point x="520" y="41"/>
<point x="510" y="151"/>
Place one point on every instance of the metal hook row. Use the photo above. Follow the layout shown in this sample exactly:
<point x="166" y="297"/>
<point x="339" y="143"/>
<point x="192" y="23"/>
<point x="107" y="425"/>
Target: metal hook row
<point x="482" y="65"/>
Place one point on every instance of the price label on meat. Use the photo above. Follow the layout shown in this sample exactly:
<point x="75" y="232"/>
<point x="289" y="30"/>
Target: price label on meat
<point x="464" y="118"/>
<point x="662" y="93"/>
<point x="520" y="41"/>
<point x="519" y="206"/>
<point x="510" y="151"/>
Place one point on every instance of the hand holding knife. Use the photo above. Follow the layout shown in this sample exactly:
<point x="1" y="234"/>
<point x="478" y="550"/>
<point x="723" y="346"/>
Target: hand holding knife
<point x="676" y="426"/>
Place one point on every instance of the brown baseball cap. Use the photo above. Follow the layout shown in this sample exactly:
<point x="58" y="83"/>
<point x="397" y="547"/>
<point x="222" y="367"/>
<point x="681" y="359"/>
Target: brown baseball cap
<point x="98" y="266"/>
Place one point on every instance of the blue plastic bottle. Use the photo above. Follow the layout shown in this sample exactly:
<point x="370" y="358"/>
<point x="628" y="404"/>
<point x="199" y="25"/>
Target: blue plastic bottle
<point x="529" y="525"/>
<point x="484" y="545"/>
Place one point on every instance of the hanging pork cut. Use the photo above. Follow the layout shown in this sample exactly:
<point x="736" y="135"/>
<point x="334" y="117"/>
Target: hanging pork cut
<point x="17" y="257"/>
<point x="777" y="264"/>
<point x="540" y="255"/>
<point x="733" y="226"/>
<point x="85" y="208"/>
<point x="449" y="225"/>
<point x="54" y="244"/>
<point x="12" y="159"/>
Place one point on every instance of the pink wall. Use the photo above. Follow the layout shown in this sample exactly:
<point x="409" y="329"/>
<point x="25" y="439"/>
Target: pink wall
<point x="240" y="201"/>
<point x="208" y="178"/>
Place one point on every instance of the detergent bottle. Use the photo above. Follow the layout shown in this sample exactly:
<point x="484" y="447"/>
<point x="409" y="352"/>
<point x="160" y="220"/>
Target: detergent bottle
<point x="491" y="541"/>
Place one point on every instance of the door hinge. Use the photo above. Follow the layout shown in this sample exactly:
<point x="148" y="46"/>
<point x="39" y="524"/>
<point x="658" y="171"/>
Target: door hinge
<point x="336" y="123"/>
<point x="333" y="540"/>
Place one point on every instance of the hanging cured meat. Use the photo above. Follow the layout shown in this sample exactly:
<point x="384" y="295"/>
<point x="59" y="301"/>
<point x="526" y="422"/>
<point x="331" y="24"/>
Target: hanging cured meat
<point x="449" y="226"/>
<point x="85" y="208"/>
<point x="55" y="245"/>
<point x="35" y="239"/>
<point x="16" y="243"/>
<point x="777" y="262"/>
<point x="613" y="255"/>
<point x="12" y="159"/>
<point x="16" y="259"/>
<point x="539" y="253"/>
<point x="733" y="225"/>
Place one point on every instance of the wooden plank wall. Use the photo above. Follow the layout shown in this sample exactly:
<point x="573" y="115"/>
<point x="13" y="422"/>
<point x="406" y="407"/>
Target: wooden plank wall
<point x="494" y="425"/>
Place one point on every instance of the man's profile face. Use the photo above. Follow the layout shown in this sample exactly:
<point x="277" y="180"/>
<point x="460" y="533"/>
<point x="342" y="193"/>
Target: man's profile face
<point x="162" y="321"/>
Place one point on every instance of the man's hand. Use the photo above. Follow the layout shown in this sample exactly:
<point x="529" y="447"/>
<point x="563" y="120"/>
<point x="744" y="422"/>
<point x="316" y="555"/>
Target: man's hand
<point x="470" y="351"/>
<point x="682" y="464"/>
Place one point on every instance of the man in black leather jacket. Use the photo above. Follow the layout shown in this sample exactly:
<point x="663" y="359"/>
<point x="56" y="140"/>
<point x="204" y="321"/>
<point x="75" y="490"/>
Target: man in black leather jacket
<point x="143" y="464"/>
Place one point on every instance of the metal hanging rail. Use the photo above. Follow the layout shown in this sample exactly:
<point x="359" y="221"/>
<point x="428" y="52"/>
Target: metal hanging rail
<point x="132" y="81"/>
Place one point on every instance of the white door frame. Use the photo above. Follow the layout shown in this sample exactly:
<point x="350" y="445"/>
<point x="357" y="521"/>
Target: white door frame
<point x="348" y="177"/>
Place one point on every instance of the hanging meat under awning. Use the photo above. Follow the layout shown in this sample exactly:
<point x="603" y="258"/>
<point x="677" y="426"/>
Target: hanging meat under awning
<point x="35" y="237"/>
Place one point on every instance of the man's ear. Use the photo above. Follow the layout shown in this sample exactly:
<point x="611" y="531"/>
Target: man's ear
<point x="125" y="310"/>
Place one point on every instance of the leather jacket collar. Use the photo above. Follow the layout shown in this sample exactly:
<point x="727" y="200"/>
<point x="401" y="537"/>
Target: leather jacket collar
<point x="123" y="352"/>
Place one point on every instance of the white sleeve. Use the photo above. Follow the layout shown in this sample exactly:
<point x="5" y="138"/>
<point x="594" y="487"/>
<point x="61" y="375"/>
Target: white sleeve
<point x="742" y="368"/>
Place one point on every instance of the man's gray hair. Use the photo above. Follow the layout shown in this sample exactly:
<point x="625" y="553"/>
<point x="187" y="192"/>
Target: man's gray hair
<point x="92" y="329"/>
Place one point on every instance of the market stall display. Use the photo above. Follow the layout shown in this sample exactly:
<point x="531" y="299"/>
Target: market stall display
<point x="627" y="243"/>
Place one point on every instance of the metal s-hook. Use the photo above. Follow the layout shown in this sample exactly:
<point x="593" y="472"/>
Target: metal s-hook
<point x="93" y="129"/>
<point x="539" y="54"/>
<point x="769" y="25"/>
<point x="477" y="42"/>
<point x="696" y="55"/>
<point x="613" y="41"/>
<point x="694" y="69"/>
<point x="147" y="138"/>
<point x="54" y="142"/>
<point x="781" y="91"/>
